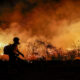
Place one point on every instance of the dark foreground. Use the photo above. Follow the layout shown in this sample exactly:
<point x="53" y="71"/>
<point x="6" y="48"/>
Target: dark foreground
<point x="40" y="70"/>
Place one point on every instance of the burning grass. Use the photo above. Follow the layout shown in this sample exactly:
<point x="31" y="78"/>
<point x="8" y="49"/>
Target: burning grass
<point x="56" y="23"/>
<point x="43" y="50"/>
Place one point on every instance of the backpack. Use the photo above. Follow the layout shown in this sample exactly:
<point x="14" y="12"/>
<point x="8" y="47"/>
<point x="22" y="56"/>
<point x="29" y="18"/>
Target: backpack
<point x="8" y="49"/>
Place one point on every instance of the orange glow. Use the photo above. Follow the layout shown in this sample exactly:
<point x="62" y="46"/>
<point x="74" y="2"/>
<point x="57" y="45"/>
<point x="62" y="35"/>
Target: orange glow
<point x="53" y="23"/>
<point x="69" y="36"/>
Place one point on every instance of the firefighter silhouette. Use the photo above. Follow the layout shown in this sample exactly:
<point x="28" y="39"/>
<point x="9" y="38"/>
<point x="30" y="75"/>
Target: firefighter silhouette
<point x="12" y="50"/>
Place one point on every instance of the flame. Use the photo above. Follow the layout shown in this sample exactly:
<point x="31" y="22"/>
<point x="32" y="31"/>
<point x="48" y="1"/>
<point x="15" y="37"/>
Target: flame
<point x="55" y="22"/>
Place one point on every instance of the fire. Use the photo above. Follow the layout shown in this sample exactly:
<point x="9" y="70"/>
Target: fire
<point x="68" y="39"/>
<point x="2" y="45"/>
<point x="55" y="22"/>
<point x="69" y="49"/>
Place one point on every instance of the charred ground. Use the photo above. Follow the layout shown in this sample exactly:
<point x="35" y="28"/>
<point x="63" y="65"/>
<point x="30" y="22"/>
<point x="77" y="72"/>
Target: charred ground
<point x="45" y="70"/>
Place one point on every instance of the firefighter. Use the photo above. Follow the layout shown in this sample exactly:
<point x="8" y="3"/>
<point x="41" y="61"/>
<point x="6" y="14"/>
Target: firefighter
<point x="12" y="50"/>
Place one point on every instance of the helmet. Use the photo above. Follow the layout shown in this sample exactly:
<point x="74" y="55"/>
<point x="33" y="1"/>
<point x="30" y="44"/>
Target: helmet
<point x="16" y="40"/>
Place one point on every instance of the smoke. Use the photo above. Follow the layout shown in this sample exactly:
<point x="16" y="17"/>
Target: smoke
<point x="55" y="21"/>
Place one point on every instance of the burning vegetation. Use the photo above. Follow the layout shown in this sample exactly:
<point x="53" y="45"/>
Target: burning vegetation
<point x="43" y="50"/>
<point x="48" y="29"/>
